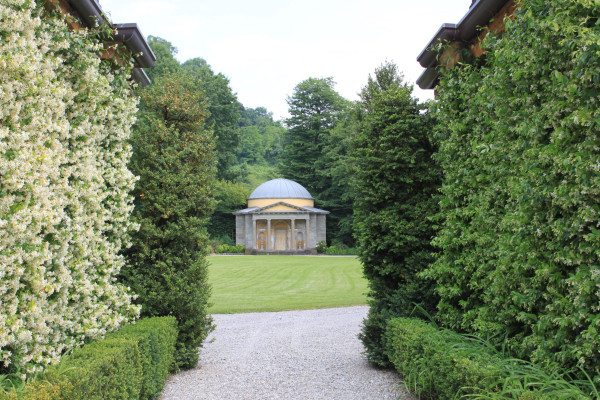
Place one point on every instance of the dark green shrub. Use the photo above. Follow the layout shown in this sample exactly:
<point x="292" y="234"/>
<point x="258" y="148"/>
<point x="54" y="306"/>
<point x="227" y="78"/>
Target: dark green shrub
<point x="225" y="239"/>
<point x="441" y="364"/>
<point x="174" y="158"/>
<point x="395" y="184"/>
<point x="519" y="144"/>
<point x="156" y="339"/>
<point x="132" y="363"/>
<point x="225" y="248"/>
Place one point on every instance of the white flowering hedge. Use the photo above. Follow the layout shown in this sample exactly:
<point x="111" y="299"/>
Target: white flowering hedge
<point x="65" y="117"/>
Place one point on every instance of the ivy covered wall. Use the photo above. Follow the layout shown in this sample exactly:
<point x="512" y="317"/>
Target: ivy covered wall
<point x="519" y="136"/>
<point x="65" y="117"/>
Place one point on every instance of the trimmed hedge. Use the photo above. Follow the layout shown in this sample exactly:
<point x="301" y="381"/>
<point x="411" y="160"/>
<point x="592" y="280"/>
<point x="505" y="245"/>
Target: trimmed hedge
<point x="130" y="364"/>
<point x="395" y="183"/>
<point x="37" y="390"/>
<point x="441" y="364"/>
<point x="436" y="364"/>
<point x="156" y="338"/>
<point x="336" y="249"/>
<point x="519" y="237"/>
<point x="226" y="248"/>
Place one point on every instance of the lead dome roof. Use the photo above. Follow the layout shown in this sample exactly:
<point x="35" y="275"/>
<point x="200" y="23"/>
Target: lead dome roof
<point x="280" y="188"/>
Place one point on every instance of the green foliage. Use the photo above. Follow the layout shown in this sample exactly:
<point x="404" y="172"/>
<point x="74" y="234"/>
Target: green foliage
<point x="341" y="250"/>
<point x="321" y="247"/>
<point x="441" y="364"/>
<point x="519" y="147"/>
<point x="226" y="248"/>
<point x="165" y="63"/>
<point x="335" y="174"/>
<point x="223" y="108"/>
<point x="132" y="363"/>
<point x="229" y="197"/>
<point x="35" y="390"/>
<point x="314" y="109"/>
<point x="174" y="158"/>
<point x="315" y="150"/>
<point x="260" y="173"/>
<point x="261" y="137"/>
<point x="335" y="249"/>
<point x="395" y="184"/>
<point x="224" y="111"/>
<point x="156" y="339"/>
<point x="109" y="368"/>
<point x="225" y="239"/>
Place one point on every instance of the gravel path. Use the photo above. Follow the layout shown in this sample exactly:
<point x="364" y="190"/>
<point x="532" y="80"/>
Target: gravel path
<point x="309" y="355"/>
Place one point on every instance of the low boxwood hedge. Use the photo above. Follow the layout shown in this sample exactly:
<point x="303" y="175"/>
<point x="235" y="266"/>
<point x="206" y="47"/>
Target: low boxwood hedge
<point x="156" y="338"/>
<point x="226" y="248"/>
<point x="132" y="363"/>
<point x="443" y="365"/>
<point x="436" y="364"/>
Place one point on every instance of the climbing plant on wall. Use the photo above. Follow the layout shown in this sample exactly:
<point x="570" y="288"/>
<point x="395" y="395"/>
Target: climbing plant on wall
<point x="65" y="117"/>
<point x="520" y="149"/>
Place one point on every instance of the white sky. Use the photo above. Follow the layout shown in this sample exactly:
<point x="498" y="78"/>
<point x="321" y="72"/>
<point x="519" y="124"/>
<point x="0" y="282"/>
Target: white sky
<point x="266" y="47"/>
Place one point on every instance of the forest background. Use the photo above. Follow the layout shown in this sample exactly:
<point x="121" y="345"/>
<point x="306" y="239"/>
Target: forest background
<point x="249" y="144"/>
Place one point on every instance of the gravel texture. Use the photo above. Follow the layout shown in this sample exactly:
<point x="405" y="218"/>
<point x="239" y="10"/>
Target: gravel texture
<point x="309" y="355"/>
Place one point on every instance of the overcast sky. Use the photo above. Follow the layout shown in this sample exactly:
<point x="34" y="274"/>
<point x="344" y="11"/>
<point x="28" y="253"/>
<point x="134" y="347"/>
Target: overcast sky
<point x="266" y="47"/>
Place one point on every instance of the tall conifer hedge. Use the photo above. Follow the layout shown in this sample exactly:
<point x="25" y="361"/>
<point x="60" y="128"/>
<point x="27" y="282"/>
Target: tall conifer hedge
<point x="395" y="182"/>
<point x="520" y="148"/>
<point x="175" y="160"/>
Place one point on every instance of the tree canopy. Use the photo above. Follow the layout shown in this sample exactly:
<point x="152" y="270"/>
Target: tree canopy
<point x="314" y="109"/>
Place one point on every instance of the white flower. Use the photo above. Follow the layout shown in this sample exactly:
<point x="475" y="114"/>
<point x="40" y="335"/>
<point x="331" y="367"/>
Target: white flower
<point x="57" y="174"/>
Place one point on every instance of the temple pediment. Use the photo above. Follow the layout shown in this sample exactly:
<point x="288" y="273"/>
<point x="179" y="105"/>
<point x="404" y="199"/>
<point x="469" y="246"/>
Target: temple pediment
<point x="280" y="206"/>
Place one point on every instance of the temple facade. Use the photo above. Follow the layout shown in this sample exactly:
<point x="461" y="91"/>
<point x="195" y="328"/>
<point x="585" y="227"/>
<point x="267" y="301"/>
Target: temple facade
<point x="280" y="219"/>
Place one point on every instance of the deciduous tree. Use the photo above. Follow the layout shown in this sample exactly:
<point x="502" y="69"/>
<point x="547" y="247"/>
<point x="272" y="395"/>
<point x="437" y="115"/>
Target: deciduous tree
<point x="314" y="109"/>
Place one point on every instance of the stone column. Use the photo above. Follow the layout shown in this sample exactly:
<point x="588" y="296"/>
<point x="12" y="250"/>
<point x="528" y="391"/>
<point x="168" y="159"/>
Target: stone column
<point x="293" y="241"/>
<point x="307" y="239"/>
<point x="269" y="234"/>
<point x="249" y="234"/>
<point x="254" y="235"/>
<point x="313" y="231"/>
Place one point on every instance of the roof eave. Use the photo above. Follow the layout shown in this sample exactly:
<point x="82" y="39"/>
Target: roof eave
<point x="478" y="16"/>
<point x="140" y="76"/>
<point x="89" y="11"/>
<point x="428" y="79"/>
<point x="129" y="34"/>
<point x="428" y="56"/>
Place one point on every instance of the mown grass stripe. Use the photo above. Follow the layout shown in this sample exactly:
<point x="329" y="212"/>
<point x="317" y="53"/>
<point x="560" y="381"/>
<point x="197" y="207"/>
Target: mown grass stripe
<point x="278" y="283"/>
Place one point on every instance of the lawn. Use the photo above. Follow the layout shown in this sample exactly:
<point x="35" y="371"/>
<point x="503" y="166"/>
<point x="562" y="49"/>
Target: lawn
<point x="278" y="283"/>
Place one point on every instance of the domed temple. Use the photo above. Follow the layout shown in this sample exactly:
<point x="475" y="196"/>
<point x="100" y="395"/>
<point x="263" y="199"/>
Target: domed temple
<point x="280" y="219"/>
